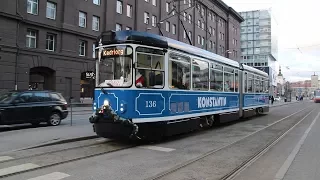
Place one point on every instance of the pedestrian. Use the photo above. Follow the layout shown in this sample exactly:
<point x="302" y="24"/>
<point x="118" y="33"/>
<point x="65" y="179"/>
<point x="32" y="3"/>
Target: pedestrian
<point x="272" y="99"/>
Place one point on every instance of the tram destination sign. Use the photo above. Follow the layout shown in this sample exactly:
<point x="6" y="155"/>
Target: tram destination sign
<point x="117" y="51"/>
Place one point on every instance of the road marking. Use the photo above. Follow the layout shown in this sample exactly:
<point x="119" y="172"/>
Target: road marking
<point x="14" y="169"/>
<point x="5" y="158"/>
<point x="51" y="176"/>
<point x="286" y="165"/>
<point x="157" y="148"/>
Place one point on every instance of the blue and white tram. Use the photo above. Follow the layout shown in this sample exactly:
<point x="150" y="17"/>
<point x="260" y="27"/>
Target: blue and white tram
<point x="151" y="86"/>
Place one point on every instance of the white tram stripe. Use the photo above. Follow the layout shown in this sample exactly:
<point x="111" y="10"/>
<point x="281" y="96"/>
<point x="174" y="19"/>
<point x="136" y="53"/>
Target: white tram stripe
<point x="157" y="148"/>
<point x="5" y="158"/>
<point x="14" y="169"/>
<point x="51" y="176"/>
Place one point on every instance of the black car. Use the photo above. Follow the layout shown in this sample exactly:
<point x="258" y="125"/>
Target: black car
<point x="19" y="107"/>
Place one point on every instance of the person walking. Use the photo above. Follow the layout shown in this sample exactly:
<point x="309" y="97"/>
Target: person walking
<point x="272" y="99"/>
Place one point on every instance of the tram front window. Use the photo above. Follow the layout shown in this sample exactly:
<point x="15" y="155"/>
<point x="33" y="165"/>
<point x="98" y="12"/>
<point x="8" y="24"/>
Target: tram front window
<point x="115" y="67"/>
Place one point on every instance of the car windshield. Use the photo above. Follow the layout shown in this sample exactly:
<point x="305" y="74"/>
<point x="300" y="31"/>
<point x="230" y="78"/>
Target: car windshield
<point x="115" y="69"/>
<point x="7" y="97"/>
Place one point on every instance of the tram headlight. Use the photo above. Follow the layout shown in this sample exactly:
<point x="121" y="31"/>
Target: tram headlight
<point x="106" y="102"/>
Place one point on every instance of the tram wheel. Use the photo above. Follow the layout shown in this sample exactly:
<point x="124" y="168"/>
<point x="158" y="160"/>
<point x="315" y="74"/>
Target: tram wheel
<point x="210" y="120"/>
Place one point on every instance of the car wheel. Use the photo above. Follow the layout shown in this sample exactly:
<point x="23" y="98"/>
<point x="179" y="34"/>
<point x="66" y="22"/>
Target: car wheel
<point x="55" y="119"/>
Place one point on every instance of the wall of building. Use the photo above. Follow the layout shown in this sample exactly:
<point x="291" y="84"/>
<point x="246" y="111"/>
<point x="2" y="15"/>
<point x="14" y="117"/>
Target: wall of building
<point x="64" y="63"/>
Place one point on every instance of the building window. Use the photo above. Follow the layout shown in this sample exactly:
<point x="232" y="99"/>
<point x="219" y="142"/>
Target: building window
<point x="190" y="35"/>
<point x="210" y="44"/>
<point x="51" y="10"/>
<point x="154" y="21"/>
<point x="31" y="39"/>
<point x="32" y="7"/>
<point x="199" y="39"/>
<point x="154" y="2"/>
<point x="185" y="16"/>
<point x="210" y="15"/>
<point x="184" y="34"/>
<point x="119" y="7"/>
<point x="190" y="18"/>
<point x="118" y="27"/>
<point x="168" y="26"/>
<point x="199" y="24"/>
<point x="167" y="7"/>
<point x="82" y="48"/>
<point x="202" y="42"/>
<point x="82" y="19"/>
<point x="96" y="2"/>
<point x="210" y="30"/>
<point x="214" y="45"/>
<point x="129" y="10"/>
<point x="173" y="29"/>
<point x="146" y="0"/>
<point x="95" y="23"/>
<point x="202" y="11"/>
<point x="50" y="42"/>
<point x="93" y="50"/>
<point x="146" y="18"/>
<point x="202" y="25"/>
<point x="190" y="3"/>
<point x="128" y="28"/>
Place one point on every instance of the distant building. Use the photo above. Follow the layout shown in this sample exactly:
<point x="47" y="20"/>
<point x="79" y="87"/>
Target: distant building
<point x="315" y="81"/>
<point x="259" y="43"/>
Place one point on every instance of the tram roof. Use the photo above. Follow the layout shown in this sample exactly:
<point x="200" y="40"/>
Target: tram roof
<point x="145" y="38"/>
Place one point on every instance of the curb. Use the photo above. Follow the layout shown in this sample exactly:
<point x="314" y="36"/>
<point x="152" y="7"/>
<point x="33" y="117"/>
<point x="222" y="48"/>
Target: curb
<point x="284" y="104"/>
<point x="80" y="105"/>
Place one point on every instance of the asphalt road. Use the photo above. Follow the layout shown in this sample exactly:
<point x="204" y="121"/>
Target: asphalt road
<point x="233" y="143"/>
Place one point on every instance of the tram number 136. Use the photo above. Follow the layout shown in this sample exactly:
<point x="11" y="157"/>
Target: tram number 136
<point x="151" y="104"/>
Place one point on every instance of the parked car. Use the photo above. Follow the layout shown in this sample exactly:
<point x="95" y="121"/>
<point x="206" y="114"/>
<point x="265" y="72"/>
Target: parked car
<point x="19" y="107"/>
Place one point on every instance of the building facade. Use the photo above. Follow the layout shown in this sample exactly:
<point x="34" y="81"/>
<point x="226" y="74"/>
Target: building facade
<point x="50" y="44"/>
<point x="258" y="38"/>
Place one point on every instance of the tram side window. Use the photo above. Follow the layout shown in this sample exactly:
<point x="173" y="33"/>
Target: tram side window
<point x="179" y="71"/>
<point x="149" y="68"/>
<point x="262" y="85"/>
<point x="216" y="77"/>
<point x="200" y="75"/>
<point x="266" y="85"/>
<point x="250" y="83"/>
<point x="257" y="84"/>
<point x="236" y="81"/>
<point x="228" y="79"/>
<point x="245" y="82"/>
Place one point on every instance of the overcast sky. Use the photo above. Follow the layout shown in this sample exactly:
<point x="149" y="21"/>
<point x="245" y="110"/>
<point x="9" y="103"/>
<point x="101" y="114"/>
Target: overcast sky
<point x="297" y="26"/>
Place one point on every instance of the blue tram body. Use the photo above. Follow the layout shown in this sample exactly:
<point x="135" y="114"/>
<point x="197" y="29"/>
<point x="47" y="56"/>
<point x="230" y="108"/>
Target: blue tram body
<point x="131" y="111"/>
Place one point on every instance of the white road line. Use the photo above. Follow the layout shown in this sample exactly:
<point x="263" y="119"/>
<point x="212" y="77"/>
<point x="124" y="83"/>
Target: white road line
<point x="51" y="176"/>
<point x="157" y="148"/>
<point x="5" y="158"/>
<point x="14" y="169"/>
<point x="286" y="165"/>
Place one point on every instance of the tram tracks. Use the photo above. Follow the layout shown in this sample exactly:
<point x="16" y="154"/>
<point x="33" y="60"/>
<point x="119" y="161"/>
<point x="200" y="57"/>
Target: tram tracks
<point x="47" y="156"/>
<point x="277" y="131"/>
